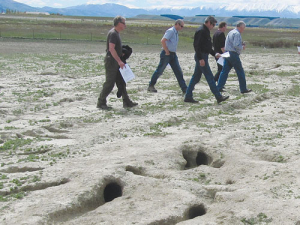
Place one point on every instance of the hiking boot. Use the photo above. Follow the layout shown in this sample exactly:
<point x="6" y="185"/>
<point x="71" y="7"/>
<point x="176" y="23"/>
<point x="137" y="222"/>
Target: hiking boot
<point x="103" y="107"/>
<point x="151" y="88"/>
<point x="129" y="104"/>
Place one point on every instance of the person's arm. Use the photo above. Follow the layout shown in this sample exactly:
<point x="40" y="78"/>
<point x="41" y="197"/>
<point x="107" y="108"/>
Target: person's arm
<point x="197" y="44"/>
<point x="223" y="38"/>
<point x="164" y="45"/>
<point x="114" y="54"/>
<point x="237" y="43"/>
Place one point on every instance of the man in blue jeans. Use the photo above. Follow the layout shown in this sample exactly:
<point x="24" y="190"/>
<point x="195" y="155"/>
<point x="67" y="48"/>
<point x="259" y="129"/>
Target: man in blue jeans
<point x="168" y="56"/>
<point x="234" y="46"/>
<point x="203" y="47"/>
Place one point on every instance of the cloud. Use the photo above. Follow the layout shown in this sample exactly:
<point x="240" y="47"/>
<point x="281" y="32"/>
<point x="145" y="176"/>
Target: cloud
<point x="57" y="5"/>
<point x="35" y="3"/>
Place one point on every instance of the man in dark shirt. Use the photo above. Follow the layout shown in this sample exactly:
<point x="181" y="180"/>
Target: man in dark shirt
<point x="113" y="62"/>
<point x="219" y="45"/>
<point x="203" y="47"/>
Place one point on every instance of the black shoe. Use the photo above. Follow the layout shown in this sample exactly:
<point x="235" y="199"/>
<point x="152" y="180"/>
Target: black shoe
<point x="246" y="91"/>
<point x="190" y="100"/>
<point x="222" y="99"/>
<point x="103" y="107"/>
<point x="151" y="88"/>
<point x="129" y="104"/>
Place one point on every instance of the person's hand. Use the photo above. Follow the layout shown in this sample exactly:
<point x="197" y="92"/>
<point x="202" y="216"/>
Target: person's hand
<point x="217" y="55"/>
<point x="202" y="62"/>
<point x="122" y="65"/>
<point x="244" y="45"/>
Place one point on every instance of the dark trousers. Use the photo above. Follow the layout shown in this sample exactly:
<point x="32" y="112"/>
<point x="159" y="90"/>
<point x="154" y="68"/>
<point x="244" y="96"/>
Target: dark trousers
<point x="233" y="61"/>
<point x="197" y="76"/>
<point x="217" y="75"/>
<point x="171" y="59"/>
<point x="111" y="74"/>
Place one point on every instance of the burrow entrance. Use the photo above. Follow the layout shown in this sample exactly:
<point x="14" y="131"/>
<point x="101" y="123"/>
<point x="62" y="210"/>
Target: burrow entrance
<point x="196" y="158"/>
<point x="89" y="201"/>
<point x="112" y="191"/>
<point x="195" y="211"/>
<point x="191" y="213"/>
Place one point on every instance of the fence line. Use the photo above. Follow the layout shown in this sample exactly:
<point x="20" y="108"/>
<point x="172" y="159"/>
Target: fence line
<point x="53" y="35"/>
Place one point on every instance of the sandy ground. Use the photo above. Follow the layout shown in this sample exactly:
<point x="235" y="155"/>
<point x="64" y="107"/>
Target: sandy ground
<point x="63" y="161"/>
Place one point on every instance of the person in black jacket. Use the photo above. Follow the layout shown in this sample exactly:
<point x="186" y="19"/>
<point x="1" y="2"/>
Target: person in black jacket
<point x="219" y="45"/>
<point x="203" y="47"/>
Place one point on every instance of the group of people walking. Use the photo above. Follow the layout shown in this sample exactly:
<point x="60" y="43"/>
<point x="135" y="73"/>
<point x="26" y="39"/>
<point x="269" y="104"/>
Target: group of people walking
<point x="203" y="46"/>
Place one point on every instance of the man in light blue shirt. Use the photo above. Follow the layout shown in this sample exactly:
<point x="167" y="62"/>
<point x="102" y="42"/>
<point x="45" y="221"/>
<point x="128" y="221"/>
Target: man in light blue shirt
<point x="168" y="56"/>
<point x="234" y="45"/>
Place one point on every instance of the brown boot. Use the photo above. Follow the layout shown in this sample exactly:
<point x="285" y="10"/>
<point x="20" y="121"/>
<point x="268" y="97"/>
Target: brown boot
<point x="103" y="107"/>
<point x="129" y="104"/>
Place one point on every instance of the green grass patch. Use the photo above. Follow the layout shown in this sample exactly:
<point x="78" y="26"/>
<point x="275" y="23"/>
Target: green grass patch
<point x="261" y="218"/>
<point x="294" y="91"/>
<point x="15" y="144"/>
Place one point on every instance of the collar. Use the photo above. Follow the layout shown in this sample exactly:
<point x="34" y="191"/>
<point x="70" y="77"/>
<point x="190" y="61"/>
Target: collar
<point x="174" y="29"/>
<point x="237" y="30"/>
<point x="206" y="28"/>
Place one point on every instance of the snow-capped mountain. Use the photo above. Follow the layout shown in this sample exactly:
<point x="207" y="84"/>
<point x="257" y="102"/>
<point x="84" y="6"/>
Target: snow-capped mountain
<point x="262" y="7"/>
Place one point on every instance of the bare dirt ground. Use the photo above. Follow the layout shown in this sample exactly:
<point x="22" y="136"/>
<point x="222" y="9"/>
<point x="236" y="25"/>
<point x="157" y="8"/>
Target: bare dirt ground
<point x="63" y="161"/>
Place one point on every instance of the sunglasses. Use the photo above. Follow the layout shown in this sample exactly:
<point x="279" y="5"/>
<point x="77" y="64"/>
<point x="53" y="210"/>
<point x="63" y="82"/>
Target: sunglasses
<point x="123" y="23"/>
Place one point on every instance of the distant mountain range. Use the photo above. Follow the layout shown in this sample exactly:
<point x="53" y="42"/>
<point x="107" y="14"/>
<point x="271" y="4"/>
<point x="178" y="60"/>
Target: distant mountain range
<point x="111" y="10"/>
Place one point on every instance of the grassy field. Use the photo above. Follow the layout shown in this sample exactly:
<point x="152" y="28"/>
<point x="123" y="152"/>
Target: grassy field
<point x="146" y="32"/>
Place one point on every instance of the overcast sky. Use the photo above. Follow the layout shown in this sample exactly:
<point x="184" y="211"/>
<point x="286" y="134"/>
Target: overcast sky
<point x="151" y="3"/>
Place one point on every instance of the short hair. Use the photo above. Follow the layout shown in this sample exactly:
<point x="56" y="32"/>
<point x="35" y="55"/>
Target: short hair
<point x="241" y="24"/>
<point x="222" y="24"/>
<point x="179" y="21"/>
<point x="118" y="19"/>
<point x="211" y="19"/>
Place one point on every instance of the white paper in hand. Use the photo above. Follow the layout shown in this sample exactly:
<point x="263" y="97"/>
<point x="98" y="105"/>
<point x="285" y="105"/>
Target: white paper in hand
<point x="127" y="73"/>
<point x="226" y="54"/>
<point x="221" y="59"/>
